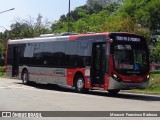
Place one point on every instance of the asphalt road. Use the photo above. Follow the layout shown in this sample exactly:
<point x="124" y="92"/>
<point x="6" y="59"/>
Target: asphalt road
<point x="14" y="96"/>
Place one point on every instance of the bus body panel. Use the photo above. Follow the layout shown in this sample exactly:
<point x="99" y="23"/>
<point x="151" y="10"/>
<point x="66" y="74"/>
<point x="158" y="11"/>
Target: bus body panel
<point x="45" y="75"/>
<point x="71" y="74"/>
<point x="9" y="70"/>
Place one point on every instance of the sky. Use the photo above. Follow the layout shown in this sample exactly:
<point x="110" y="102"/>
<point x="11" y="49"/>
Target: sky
<point x="49" y="9"/>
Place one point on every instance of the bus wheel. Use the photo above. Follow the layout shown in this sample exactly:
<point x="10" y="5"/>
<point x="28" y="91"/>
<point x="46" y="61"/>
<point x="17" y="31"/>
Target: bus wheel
<point x="80" y="85"/>
<point x="113" y="92"/>
<point x="25" y="77"/>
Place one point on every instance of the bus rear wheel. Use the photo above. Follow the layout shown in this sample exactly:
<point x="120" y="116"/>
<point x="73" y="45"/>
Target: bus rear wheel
<point x="80" y="85"/>
<point x="113" y="92"/>
<point x="25" y="77"/>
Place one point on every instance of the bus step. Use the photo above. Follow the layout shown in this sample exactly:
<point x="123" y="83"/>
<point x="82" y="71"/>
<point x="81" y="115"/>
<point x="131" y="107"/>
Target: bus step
<point x="97" y="88"/>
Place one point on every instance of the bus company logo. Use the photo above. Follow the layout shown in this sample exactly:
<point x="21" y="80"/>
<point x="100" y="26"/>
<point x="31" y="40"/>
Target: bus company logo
<point x="59" y="72"/>
<point x="6" y="114"/>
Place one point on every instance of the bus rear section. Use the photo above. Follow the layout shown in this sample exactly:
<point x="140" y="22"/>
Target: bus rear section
<point x="12" y="60"/>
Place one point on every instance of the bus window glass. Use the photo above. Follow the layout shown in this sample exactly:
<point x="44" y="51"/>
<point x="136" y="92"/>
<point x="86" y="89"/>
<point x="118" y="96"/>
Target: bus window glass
<point x="48" y="53"/>
<point x="48" y="50"/>
<point x="71" y="53"/>
<point x="130" y="57"/>
<point x="38" y="50"/>
<point x="83" y="54"/>
<point x="59" y="53"/>
<point x="28" y="51"/>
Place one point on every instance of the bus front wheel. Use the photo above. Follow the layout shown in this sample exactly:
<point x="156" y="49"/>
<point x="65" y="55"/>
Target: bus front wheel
<point x="25" y="77"/>
<point x="80" y="85"/>
<point x="113" y="92"/>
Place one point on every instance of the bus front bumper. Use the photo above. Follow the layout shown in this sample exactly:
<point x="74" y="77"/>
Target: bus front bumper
<point x="113" y="84"/>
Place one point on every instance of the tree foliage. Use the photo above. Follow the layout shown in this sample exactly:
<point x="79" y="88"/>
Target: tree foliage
<point x="28" y="28"/>
<point x="144" y="12"/>
<point x="155" y="53"/>
<point x="86" y="19"/>
<point x="120" y="24"/>
<point x="22" y="28"/>
<point x="91" y="3"/>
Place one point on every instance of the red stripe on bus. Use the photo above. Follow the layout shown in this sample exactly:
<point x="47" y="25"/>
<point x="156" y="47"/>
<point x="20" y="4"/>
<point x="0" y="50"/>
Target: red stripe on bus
<point x="106" y="81"/>
<point x="46" y="75"/>
<point x="98" y="85"/>
<point x="73" y="37"/>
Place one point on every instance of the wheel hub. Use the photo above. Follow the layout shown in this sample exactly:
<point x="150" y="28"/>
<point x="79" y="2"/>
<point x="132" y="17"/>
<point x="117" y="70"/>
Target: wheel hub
<point x="80" y="84"/>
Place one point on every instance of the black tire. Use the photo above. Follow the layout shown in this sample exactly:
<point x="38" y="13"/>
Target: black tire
<point x="25" y="77"/>
<point x="113" y="92"/>
<point x="80" y="85"/>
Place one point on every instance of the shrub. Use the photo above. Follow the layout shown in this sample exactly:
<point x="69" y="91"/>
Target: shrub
<point x="2" y="69"/>
<point x="155" y="72"/>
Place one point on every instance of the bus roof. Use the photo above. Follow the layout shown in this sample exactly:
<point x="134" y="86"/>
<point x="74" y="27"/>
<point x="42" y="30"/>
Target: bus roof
<point x="62" y="37"/>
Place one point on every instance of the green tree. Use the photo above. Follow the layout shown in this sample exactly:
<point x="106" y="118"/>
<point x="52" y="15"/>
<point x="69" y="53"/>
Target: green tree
<point x="144" y="12"/>
<point x="3" y="40"/>
<point x="29" y="28"/>
<point x="81" y="26"/>
<point x="22" y="29"/>
<point x="91" y="3"/>
<point x="155" y="53"/>
<point x="113" y="6"/>
<point x="120" y="24"/>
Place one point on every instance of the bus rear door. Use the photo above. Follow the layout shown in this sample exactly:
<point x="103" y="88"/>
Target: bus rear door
<point x="15" y="62"/>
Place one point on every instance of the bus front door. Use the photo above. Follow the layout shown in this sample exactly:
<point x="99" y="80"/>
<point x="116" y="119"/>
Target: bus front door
<point x="98" y="64"/>
<point x="15" y="62"/>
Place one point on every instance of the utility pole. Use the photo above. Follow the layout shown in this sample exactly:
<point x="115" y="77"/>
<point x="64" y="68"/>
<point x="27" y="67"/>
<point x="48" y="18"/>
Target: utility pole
<point x="69" y="15"/>
<point x="7" y="10"/>
<point x="4" y="12"/>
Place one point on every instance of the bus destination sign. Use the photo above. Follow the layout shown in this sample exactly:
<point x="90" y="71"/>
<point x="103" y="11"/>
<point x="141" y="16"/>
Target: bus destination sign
<point x="129" y="39"/>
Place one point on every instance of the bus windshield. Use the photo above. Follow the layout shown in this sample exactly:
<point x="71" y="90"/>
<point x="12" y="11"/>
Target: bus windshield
<point x="130" y="57"/>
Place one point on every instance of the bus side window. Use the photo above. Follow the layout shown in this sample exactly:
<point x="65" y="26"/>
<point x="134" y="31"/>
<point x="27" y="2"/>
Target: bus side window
<point x="71" y="53"/>
<point x="59" y="53"/>
<point x="28" y="50"/>
<point x="27" y="57"/>
<point x="38" y="54"/>
<point x="38" y="50"/>
<point x="83" y="54"/>
<point x="48" y="53"/>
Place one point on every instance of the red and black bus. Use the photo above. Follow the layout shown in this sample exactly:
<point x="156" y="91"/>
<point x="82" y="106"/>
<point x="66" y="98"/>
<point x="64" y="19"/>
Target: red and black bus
<point x="109" y="61"/>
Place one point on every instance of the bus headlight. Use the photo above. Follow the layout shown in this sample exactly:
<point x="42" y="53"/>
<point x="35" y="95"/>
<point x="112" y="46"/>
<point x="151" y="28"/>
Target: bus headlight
<point x="147" y="78"/>
<point x="115" y="77"/>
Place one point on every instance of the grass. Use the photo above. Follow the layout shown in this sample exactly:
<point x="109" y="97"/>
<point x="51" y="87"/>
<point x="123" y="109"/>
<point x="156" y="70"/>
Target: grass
<point x="3" y="75"/>
<point x="154" y="84"/>
<point x="2" y="71"/>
